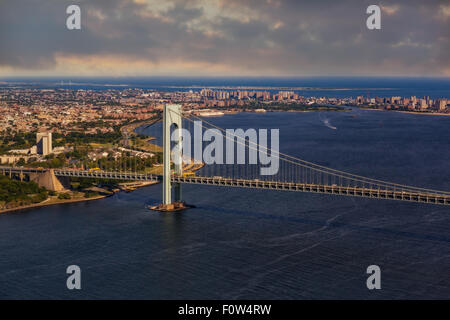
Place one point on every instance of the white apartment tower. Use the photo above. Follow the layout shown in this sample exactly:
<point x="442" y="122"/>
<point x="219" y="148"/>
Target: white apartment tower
<point x="44" y="143"/>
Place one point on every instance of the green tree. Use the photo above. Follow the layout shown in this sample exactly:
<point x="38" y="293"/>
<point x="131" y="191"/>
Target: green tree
<point x="21" y="162"/>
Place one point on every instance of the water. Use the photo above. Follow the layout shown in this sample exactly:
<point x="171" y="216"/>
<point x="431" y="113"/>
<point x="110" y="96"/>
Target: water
<point x="331" y="87"/>
<point x="248" y="244"/>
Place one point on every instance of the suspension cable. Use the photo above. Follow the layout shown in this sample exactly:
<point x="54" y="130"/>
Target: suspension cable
<point x="319" y="168"/>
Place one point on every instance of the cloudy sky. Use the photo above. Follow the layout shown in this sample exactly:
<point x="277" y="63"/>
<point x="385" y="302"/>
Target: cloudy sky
<point x="224" y="38"/>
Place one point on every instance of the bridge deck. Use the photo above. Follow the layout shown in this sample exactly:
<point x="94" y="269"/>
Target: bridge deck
<point x="128" y="176"/>
<point x="433" y="198"/>
<point x="318" y="188"/>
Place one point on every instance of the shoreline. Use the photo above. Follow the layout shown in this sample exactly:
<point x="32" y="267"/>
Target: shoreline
<point x="424" y="113"/>
<point x="273" y="111"/>
<point x="57" y="202"/>
<point x="44" y="204"/>
<point x="408" y="112"/>
<point x="132" y="185"/>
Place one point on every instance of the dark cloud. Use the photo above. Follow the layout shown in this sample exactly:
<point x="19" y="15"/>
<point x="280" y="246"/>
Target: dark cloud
<point x="289" y="37"/>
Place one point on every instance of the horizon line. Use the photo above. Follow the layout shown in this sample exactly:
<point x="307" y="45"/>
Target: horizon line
<point x="2" y="78"/>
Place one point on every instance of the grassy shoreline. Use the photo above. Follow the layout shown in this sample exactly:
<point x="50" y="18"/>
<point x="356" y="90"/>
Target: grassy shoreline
<point x="51" y="203"/>
<point x="55" y="201"/>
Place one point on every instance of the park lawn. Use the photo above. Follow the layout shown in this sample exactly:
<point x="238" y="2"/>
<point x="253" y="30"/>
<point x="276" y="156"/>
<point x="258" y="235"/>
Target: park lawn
<point x="154" y="170"/>
<point x="100" y="145"/>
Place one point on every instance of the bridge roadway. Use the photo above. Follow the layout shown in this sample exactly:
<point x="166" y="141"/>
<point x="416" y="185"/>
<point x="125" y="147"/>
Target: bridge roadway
<point x="319" y="188"/>
<point x="431" y="198"/>
<point x="107" y="175"/>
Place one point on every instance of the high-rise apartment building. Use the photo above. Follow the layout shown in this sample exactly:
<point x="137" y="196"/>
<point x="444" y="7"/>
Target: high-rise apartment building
<point x="44" y="143"/>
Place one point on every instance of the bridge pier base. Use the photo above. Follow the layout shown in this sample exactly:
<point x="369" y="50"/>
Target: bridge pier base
<point x="171" y="207"/>
<point x="47" y="180"/>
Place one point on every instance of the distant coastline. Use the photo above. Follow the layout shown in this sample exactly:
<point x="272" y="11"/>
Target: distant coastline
<point x="423" y="113"/>
<point x="406" y="112"/>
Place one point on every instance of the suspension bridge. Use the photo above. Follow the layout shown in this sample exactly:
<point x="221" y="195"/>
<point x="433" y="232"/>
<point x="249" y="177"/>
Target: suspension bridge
<point x="293" y="174"/>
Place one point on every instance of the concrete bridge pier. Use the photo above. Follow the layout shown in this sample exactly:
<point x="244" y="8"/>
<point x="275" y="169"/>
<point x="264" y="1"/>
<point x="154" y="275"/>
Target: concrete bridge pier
<point x="47" y="180"/>
<point x="171" y="118"/>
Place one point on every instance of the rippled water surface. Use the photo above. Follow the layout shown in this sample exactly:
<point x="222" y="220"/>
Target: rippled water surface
<point x="241" y="243"/>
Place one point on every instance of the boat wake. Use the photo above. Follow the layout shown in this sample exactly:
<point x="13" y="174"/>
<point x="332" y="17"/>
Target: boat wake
<point x="327" y="123"/>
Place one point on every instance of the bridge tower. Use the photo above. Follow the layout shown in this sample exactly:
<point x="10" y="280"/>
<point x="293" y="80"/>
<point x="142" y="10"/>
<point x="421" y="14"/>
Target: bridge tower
<point x="171" y="116"/>
<point x="171" y="119"/>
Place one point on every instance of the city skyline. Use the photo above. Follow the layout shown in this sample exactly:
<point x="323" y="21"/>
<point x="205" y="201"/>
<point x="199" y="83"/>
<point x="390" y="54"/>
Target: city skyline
<point x="123" y="38"/>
